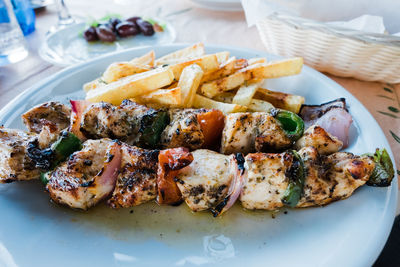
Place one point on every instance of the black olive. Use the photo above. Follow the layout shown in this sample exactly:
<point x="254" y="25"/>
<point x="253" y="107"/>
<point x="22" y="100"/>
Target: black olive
<point x="126" y="29"/>
<point x="133" y="19"/>
<point x="145" y="27"/>
<point x="114" y="22"/>
<point x="90" y="34"/>
<point x="105" y="34"/>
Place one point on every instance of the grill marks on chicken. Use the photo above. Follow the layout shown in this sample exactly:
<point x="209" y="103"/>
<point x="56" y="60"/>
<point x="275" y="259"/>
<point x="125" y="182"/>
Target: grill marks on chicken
<point x="328" y="178"/>
<point x="15" y="165"/>
<point x="251" y="132"/>
<point x="47" y="120"/>
<point x="103" y="120"/>
<point x="137" y="179"/>
<point x="265" y="180"/>
<point x="52" y="114"/>
<point x="184" y="130"/>
<point x="334" y="177"/>
<point x="317" y="137"/>
<point x="205" y="182"/>
<point x="87" y="176"/>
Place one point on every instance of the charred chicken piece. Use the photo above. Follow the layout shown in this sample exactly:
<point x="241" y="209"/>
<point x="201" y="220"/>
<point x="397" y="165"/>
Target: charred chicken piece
<point x="183" y="130"/>
<point x="250" y="132"/>
<point x="15" y="165"/>
<point x="130" y="122"/>
<point x="137" y="179"/>
<point x="205" y="182"/>
<point x="334" y="177"/>
<point x="265" y="180"/>
<point x="317" y="137"/>
<point x="88" y="176"/>
<point x="47" y="120"/>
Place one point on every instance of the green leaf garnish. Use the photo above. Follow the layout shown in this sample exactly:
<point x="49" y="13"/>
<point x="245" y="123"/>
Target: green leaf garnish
<point x="388" y="89"/>
<point x="395" y="136"/>
<point x="388" y="114"/>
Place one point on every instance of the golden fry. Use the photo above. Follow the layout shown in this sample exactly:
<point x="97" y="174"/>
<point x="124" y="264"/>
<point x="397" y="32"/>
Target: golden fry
<point x="131" y="86"/>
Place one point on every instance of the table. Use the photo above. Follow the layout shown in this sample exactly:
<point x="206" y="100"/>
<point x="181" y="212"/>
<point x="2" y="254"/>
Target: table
<point x="192" y="25"/>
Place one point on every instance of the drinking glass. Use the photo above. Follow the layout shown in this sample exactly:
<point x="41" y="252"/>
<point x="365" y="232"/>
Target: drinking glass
<point x="12" y="42"/>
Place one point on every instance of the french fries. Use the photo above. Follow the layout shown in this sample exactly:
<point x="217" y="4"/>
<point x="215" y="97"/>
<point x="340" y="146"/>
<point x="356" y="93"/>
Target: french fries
<point x="93" y="84"/>
<point x="189" y="82"/>
<point x="225" y="97"/>
<point x="245" y="94"/>
<point x="229" y="67"/>
<point x="204" y="102"/>
<point x="190" y="78"/>
<point x="255" y="71"/>
<point x="281" y="100"/>
<point x="256" y="60"/>
<point x="146" y="60"/>
<point x="116" y="71"/>
<point x="276" y="69"/>
<point x="222" y="57"/>
<point x="131" y="86"/>
<point x="208" y="63"/>
<point x="257" y="105"/>
<point x="184" y="54"/>
<point x="166" y="97"/>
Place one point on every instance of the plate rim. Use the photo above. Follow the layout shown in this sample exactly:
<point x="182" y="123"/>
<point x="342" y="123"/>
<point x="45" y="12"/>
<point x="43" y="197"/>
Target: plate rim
<point x="390" y="208"/>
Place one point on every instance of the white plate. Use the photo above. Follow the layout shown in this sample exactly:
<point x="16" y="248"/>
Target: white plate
<point x="67" y="47"/>
<point x="219" y="5"/>
<point x="35" y="232"/>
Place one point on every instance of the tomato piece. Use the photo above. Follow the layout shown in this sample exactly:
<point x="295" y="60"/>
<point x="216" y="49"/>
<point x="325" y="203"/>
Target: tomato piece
<point x="212" y="124"/>
<point x="170" y="161"/>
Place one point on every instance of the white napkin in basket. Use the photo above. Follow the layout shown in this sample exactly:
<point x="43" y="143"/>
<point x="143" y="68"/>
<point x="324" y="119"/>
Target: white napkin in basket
<point x="338" y="12"/>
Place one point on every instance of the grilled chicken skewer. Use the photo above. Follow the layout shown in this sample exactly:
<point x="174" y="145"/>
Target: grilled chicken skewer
<point x="204" y="179"/>
<point x="192" y="128"/>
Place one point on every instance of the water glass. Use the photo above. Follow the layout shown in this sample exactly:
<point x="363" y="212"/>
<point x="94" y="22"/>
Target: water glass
<point x="12" y="42"/>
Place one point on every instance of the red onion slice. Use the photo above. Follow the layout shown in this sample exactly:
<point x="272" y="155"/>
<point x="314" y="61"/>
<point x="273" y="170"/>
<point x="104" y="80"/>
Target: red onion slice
<point x="77" y="108"/>
<point x="105" y="181"/>
<point x="235" y="188"/>
<point x="337" y="122"/>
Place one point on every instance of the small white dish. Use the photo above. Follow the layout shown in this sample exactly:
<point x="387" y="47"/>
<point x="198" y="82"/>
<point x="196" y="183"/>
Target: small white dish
<point x="67" y="46"/>
<point x="351" y="232"/>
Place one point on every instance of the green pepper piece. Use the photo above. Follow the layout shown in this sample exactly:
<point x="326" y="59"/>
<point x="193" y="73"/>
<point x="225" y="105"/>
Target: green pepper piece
<point x="297" y="175"/>
<point x="44" y="178"/>
<point x="291" y="123"/>
<point x="152" y="127"/>
<point x="383" y="173"/>
<point x="66" y="144"/>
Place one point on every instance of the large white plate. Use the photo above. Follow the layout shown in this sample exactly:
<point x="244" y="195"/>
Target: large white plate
<point x="36" y="232"/>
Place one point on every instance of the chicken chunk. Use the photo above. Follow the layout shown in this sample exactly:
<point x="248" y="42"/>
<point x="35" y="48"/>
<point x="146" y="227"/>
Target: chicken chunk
<point x="250" y="132"/>
<point x="183" y="130"/>
<point x="137" y="179"/>
<point x="52" y="114"/>
<point x="88" y="176"/>
<point x="334" y="177"/>
<point x="103" y="120"/>
<point x="15" y="165"/>
<point x="47" y="120"/>
<point x="317" y="137"/>
<point x="205" y="182"/>
<point x="265" y="180"/>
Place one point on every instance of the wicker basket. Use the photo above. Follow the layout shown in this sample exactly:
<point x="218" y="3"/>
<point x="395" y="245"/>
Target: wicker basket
<point x="336" y="50"/>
